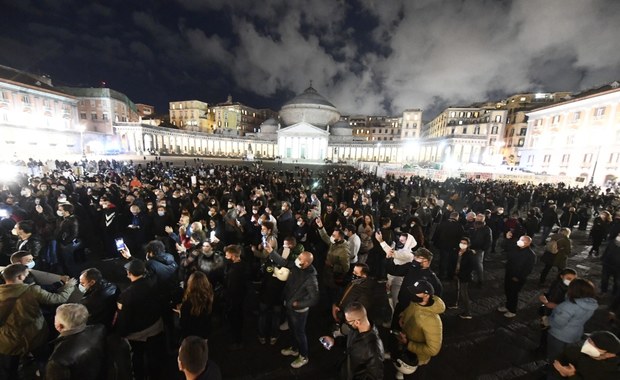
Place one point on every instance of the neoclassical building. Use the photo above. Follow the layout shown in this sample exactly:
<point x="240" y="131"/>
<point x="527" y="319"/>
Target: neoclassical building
<point x="310" y="129"/>
<point x="578" y="138"/>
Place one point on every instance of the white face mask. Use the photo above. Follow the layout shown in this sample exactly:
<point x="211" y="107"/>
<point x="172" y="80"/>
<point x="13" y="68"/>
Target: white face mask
<point x="332" y="239"/>
<point x="346" y="214"/>
<point x="298" y="263"/>
<point x="463" y="246"/>
<point x="566" y="282"/>
<point x="161" y="213"/>
<point x="590" y="350"/>
<point x="30" y="265"/>
<point x="520" y="243"/>
<point x="299" y="223"/>
<point x="82" y="288"/>
<point x="60" y="213"/>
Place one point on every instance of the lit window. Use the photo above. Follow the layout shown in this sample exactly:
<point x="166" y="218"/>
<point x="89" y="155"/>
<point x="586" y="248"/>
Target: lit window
<point x="498" y="118"/>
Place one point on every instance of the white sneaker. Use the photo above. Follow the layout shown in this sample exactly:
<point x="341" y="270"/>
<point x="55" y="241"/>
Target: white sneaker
<point x="509" y="314"/>
<point x="502" y="309"/>
<point x="284" y="326"/>
<point x="299" y="362"/>
<point x="289" y="352"/>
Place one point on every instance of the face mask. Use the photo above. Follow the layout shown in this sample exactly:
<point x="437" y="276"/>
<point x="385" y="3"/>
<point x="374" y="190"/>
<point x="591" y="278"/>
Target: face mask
<point x="60" y="213"/>
<point x="521" y="244"/>
<point x="254" y="211"/>
<point x="463" y="246"/>
<point x="332" y="239"/>
<point x="30" y="265"/>
<point x="82" y="288"/>
<point x="283" y="209"/>
<point x="412" y="225"/>
<point x="416" y="299"/>
<point x="346" y="214"/>
<point x="355" y="277"/>
<point x="590" y="350"/>
<point x="566" y="282"/>
<point x="150" y="207"/>
<point x="161" y="213"/>
<point x="263" y="233"/>
<point x="298" y="263"/>
<point x="299" y="223"/>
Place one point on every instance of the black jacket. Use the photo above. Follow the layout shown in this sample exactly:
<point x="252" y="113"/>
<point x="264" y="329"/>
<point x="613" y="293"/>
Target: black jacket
<point x="67" y="229"/>
<point x="164" y="269"/>
<point x="480" y="238"/>
<point x="589" y="368"/>
<point x="235" y="282"/>
<point x="448" y="235"/>
<point x="302" y="285"/>
<point x="466" y="268"/>
<point x="78" y="356"/>
<point x="100" y="300"/>
<point x="34" y="245"/>
<point x="412" y="273"/>
<point x="365" y="356"/>
<point x="140" y="307"/>
<point x="520" y="263"/>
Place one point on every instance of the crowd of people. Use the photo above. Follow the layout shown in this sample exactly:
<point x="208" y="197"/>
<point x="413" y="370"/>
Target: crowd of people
<point x="203" y="244"/>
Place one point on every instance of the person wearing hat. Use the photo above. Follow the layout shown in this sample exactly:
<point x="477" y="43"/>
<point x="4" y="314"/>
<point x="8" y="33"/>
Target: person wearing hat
<point x="417" y="270"/>
<point x="421" y="327"/>
<point x="596" y="359"/>
<point x="139" y="320"/>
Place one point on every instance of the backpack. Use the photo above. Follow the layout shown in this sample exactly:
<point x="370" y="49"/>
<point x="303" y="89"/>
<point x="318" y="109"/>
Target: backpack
<point x="552" y="246"/>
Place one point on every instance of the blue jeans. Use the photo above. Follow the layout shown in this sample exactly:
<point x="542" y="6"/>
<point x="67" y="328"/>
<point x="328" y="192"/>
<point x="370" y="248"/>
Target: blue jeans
<point x="297" y="324"/>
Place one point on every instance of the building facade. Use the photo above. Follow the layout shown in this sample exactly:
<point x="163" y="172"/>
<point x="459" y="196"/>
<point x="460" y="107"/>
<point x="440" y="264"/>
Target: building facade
<point x="462" y="135"/>
<point x="578" y="138"/>
<point x="191" y="115"/>
<point x="234" y="118"/>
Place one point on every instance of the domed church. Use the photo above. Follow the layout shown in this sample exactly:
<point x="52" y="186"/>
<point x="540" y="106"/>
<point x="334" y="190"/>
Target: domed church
<point x="307" y="118"/>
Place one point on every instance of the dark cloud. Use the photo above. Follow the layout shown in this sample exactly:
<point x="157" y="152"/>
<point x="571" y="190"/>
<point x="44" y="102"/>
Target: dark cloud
<point x="366" y="56"/>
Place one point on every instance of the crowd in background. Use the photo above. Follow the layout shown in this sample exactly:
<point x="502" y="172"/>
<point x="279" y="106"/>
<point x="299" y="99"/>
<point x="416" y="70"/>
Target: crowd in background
<point x="201" y="241"/>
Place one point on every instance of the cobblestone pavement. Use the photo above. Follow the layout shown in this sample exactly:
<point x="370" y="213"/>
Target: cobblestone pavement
<point x="487" y="347"/>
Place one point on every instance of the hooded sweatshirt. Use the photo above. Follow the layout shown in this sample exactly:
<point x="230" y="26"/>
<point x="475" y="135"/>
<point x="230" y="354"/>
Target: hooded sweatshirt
<point x="404" y="254"/>
<point x="568" y="318"/>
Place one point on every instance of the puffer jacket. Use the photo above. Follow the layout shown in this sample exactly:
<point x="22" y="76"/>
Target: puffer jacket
<point x="424" y="329"/>
<point x="337" y="261"/>
<point x="78" y="356"/>
<point x="24" y="328"/>
<point x="568" y="318"/>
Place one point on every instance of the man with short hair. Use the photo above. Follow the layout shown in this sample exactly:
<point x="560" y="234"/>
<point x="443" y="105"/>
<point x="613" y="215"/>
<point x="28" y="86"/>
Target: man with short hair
<point x="447" y="238"/>
<point x="300" y="292"/>
<point x="27" y="239"/>
<point x="194" y="362"/>
<point x="519" y="265"/>
<point x="23" y="328"/>
<point x="360" y="290"/>
<point x="235" y="279"/>
<point x="139" y="320"/>
<point x="364" y="351"/>
<point x="336" y="263"/>
<point x="99" y="297"/>
<point x="419" y="269"/>
<point x="79" y="351"/>
<point x="354" y="242"/>
<point x="67" y="231"/>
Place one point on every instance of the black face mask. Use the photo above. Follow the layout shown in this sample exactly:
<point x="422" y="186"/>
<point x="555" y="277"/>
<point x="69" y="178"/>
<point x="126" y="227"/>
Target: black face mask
<point x="416" y="299"/>
<point x="354" y="277"/>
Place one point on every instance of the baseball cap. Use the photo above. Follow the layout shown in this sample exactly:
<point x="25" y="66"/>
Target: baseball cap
<point x="136" y="267"/>
<point x="421" y="286"/>
<point x="607" y="341"/>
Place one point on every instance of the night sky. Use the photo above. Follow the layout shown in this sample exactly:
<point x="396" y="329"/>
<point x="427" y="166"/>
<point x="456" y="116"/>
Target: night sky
<point x="365" y="56"/>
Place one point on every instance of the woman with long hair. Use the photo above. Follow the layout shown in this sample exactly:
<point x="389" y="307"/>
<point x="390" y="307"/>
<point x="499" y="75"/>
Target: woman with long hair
<point x="195" y="310"/>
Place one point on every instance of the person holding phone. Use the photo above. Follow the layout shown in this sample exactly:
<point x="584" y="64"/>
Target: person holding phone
<point x="364" y="351"/>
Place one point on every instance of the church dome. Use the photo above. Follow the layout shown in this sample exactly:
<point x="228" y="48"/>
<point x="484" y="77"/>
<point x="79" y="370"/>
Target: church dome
<point x="269" y="126"/>
<point x="341" y="128"/>
<point x="311" y="107"/>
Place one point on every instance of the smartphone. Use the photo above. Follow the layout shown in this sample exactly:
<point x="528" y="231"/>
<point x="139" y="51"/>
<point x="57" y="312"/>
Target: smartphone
<point x="395" y="332"/>
<point x="4" y="213"/>
<point x="325" y="343"/>
<point x="120" y="244"/>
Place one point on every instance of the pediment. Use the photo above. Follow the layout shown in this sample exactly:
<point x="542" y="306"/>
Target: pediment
<point x="303" y="129"/>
